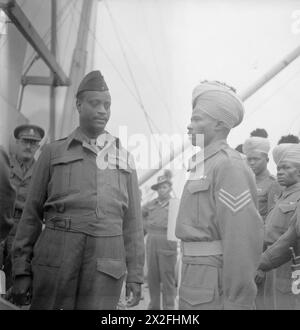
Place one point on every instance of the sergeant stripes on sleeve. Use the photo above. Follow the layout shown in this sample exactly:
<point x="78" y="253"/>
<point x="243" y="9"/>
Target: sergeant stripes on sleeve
<point x="234" y="203"/>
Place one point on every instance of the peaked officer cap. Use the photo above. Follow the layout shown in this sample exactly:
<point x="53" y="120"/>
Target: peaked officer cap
<point x="29" y="132"/>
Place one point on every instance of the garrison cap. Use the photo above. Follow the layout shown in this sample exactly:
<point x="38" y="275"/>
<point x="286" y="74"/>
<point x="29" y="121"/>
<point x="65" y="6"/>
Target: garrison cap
<point x="93" y="81"/>
<point x="29" y="132"/>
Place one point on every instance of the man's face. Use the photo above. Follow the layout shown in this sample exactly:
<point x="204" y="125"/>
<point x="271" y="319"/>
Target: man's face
<point x="257" y="161"/>
<point x="26" y="148"/>
<point x="94" y="111"/>
<point x="201" y="124"/>
<point x="287" y="174"/>
<point x="163" y="190"/>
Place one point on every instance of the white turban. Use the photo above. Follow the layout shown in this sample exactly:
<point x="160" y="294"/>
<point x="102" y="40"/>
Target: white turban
<point x="219" y="102"/>
<point x="256" y="143"/>
<point x="287" y="152"/>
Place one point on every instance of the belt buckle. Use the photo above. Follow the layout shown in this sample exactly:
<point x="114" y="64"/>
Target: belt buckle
<point x="64" y="223"/>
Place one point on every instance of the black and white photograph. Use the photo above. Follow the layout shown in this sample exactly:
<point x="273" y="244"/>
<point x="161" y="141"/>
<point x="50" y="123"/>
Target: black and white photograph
<point x="149" y="158"/>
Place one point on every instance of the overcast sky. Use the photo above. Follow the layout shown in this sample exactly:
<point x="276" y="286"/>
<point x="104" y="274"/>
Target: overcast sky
<point x="166" y="47"/>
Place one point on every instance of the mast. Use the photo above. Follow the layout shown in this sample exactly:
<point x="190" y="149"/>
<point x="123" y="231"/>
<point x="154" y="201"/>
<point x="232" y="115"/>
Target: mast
<point x="78" y="67"/>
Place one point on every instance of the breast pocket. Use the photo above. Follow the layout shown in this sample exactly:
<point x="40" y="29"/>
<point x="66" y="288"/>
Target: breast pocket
<point x="199" y="200"/>
<point x="116" y="179"/>
<point x="67" y="173"/>
<point x="287" y="211"/>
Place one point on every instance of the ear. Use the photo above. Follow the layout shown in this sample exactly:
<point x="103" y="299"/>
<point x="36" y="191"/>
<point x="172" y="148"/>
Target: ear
<point x="78" y="104"/>
<point x="220" y="124"/>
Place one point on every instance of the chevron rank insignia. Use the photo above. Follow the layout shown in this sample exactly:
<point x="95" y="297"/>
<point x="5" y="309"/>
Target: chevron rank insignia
<point x="234" y="203"/>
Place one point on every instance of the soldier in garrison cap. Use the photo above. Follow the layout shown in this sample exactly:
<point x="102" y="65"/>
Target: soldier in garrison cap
<point x="218" y="223"/>
<point x="22" y="163"/>
<point x="85" y="189"/>
<point x="161" y="254"/>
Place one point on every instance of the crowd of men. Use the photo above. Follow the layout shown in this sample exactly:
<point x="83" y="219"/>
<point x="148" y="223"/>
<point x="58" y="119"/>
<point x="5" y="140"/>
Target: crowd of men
<point x="72" y="225"/>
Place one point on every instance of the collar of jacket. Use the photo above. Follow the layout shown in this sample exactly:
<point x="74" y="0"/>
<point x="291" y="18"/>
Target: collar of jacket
<point x="290" y="190"/>
<point x="79" y="136"/>
<point x="119" y="157"/>
<point x="162" y="204"/>
<point x="17" y="168"/>
<point x="205" y="153"/>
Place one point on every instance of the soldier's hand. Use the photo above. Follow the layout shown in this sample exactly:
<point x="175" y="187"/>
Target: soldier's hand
<point x="260" y="277"/>
<point x="21" y="290"/>
<point x="133" y="293"/>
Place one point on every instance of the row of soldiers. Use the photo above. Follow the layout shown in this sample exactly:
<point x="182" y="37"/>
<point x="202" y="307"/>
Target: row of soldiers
<point x="79" y="235"/>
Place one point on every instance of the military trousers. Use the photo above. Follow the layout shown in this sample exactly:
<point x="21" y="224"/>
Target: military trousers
<point x="72" y="270"/>
<point x="161" y="256"/>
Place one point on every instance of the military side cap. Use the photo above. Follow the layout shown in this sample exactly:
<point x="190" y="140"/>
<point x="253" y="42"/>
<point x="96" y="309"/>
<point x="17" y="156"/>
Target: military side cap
<point x="165" y="178"/>
<point x="29" y="132"/>
<point x="93" y="81"/>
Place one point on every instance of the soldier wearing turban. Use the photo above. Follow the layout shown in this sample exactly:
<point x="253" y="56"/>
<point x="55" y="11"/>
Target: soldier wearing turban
<point x="218" y="222"/>
<point x="287" y="159"/>
<point x="256" y="150"/>
<point x="85" y="191"/>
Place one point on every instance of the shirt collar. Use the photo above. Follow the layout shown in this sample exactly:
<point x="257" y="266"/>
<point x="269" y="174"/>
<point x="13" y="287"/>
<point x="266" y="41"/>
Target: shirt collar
<point x="295" y="187"/>
<point x="163" y="203"/>
<point x="206" y="153"/>
<point x="101" y="141"/>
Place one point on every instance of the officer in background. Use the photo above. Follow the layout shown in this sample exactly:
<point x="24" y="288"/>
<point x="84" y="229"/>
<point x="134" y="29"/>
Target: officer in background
<point x="22" y="163"/>
<point x="286" y="157"/>
<point x="218" y="222"/>
<point x="85" y="187"/>
<point x="160" y="252"/>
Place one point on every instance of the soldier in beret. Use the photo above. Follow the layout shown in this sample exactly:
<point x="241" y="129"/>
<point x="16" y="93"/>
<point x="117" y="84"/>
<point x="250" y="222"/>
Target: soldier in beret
<point x="161" y="253"/>
<point x="85" y="188"/>
<point x="22" y="163"/>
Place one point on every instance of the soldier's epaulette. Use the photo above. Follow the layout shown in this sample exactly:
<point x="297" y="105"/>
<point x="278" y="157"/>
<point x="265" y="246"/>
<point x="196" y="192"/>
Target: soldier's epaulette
<point x="232" y="153"/>
<point x="56" y="143"/>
